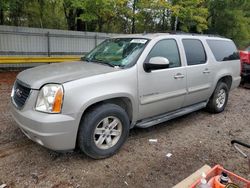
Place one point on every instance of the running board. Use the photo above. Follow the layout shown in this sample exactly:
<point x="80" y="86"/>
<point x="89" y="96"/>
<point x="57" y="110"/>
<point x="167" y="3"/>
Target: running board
<point x="171" y="115"/>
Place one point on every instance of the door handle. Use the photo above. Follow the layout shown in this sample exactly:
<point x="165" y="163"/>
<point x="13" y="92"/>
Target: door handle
<point x="179" y="76"/>
<point x="206" y="71"/>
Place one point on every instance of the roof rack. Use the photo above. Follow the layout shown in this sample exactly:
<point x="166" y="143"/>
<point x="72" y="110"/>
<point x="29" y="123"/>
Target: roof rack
<point x="194" y="34"/>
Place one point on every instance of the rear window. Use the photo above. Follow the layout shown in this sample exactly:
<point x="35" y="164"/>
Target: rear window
<point x="223" y="50"/>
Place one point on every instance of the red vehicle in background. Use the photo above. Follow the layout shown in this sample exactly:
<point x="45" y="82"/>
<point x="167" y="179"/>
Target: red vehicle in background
<point x="245" y="64"/>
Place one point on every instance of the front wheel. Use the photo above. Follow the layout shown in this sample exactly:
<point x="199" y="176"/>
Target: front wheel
<point x="103" y="130"/>
<point x="218" y="100"/>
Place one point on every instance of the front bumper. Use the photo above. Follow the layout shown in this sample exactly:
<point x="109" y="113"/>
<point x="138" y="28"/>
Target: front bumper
<point x="54" y="131"/>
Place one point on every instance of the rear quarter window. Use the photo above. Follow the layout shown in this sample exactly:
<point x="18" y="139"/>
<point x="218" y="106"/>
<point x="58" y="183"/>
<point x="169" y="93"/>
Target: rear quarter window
<point x="223" y="50"/>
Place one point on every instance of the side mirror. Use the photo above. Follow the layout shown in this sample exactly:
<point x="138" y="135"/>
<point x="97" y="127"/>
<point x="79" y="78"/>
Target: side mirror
<point x="156" y="63"/>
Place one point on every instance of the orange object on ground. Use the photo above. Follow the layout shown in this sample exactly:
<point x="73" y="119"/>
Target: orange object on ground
<point x="215" y="182"/>
<point x="217" y="170"/>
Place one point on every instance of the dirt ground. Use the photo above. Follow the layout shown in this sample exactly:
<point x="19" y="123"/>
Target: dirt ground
<point x="193" y="140"/>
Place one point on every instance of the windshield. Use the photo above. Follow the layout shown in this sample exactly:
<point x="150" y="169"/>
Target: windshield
<point x="117" y="52"/>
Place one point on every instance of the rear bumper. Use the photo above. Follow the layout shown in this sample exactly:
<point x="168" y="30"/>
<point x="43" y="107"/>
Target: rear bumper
<point x="54" y="131"/>
<point x="245" y="69"/>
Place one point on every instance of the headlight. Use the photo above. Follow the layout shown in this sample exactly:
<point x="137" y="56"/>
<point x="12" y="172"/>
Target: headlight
<point x="50" y="98"/>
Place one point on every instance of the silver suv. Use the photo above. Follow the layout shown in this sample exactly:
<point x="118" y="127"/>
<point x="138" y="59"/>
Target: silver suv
<point x="132" y="80"/>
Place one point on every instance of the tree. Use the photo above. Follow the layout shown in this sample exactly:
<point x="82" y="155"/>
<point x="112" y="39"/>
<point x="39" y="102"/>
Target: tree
<point x="44" y="14"/>
<point x="3" y="9"/>
<point x="191" y="15"/>
<point x="162" y="15"/>
<point x="70" y="13"/>
<point x="16" y="12"/>
<point x="97" y="12"/>
<point x="121" y="21"/>
<point x="231" y="19"/>
<point x="32" y="13"/>
<point x="152" y="15"/>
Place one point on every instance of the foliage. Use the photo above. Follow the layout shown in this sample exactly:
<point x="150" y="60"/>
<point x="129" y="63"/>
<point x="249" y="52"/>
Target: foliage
<point x="33" y="13"/>
<point x="229" y="18"/>
<point x="192" y="15"/>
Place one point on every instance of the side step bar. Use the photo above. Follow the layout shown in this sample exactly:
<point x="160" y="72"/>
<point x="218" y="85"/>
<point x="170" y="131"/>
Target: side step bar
<point x="171" y="115"/>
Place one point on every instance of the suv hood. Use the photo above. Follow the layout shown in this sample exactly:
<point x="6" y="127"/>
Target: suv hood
<point x="61" y="73"/>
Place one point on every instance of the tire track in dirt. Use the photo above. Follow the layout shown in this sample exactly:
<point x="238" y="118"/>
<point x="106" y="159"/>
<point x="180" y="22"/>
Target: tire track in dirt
<point x="10" y="148"/>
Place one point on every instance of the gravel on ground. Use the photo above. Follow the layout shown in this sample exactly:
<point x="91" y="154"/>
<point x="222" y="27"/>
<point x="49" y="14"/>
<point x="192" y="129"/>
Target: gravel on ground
<point x="193" y="140"/>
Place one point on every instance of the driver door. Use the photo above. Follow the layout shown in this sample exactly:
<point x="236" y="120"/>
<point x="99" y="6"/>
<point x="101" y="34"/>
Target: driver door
<point x="162" y="91"/>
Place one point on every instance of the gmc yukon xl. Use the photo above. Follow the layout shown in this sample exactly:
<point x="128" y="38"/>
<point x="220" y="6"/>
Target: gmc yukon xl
<point x="131" y="80"/>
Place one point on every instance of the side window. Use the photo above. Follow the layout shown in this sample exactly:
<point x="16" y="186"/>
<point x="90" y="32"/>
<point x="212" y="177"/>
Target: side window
<point x="166" y="48"/>
<point x="195" y="52"/>
<point x="223" y="50"/>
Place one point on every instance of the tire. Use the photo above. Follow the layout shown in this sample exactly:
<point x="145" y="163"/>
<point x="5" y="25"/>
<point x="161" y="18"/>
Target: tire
<point x="103" y="130"/>
<point x="218" y="100"/>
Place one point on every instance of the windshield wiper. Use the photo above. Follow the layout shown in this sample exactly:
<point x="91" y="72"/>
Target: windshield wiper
<point x="84" y="58"/>
<point x="103" y="62"/>
<point x="110" y="64"/>
<point x="98" y="61"/>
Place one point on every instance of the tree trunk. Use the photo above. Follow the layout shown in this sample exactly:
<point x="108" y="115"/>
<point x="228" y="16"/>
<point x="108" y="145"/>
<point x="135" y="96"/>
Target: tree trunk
<point x="100" y="25"/>
<point x="163" y="20"/>
<point x="71" y="20"/>
<point x="176" y="23"/>
<point x="70" y="17"/>
<point x="133" y="18"/>
<point x="41" y="8"/>
<point x="1" y="17"/>
<point x="80" y="24"/>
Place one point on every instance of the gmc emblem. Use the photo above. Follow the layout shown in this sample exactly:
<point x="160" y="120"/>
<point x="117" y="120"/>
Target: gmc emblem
<point x="18" y="92"/>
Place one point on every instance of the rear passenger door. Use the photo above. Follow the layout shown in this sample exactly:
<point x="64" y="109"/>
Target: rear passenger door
<point x="199" y="72"/>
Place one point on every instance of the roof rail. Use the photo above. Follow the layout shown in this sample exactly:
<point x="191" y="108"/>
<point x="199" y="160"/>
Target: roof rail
<point x="194" y="34"/>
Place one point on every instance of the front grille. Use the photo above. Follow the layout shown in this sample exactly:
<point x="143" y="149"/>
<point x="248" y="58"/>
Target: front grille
<point x="20" y="94"/>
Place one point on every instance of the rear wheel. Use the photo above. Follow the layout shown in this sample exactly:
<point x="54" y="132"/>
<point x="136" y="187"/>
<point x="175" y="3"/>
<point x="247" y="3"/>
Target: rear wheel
<point x="103" y="130"/>
<point x="218" y="100"/>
